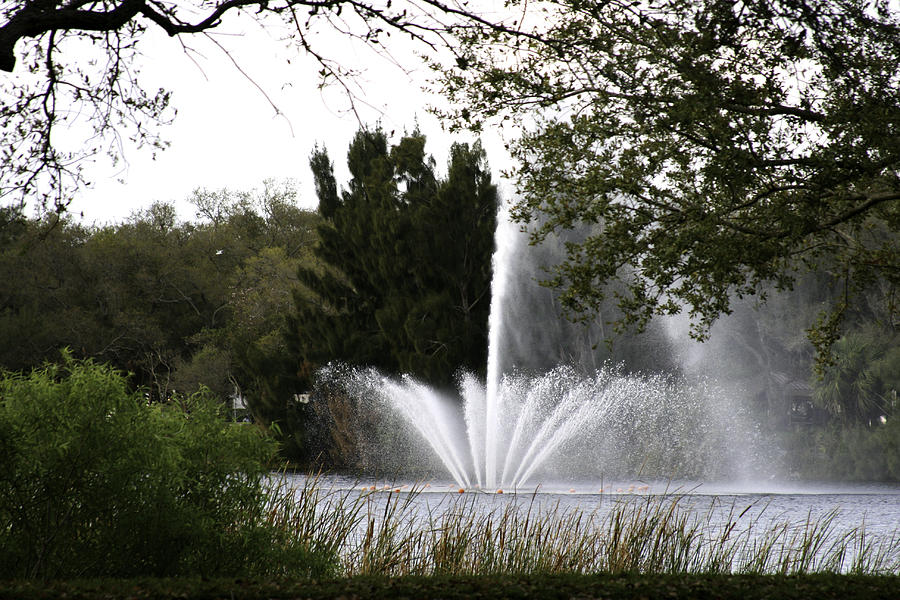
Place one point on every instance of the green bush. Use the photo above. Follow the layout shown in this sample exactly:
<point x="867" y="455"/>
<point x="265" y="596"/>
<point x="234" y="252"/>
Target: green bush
<point x="97" y="482"/>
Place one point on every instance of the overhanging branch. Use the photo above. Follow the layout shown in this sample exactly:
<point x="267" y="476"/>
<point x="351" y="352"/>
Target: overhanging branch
<point x="33" y="20"/>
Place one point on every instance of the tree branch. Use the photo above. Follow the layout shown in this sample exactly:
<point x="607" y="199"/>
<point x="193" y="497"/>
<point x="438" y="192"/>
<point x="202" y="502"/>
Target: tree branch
<point x="33" y="20"/>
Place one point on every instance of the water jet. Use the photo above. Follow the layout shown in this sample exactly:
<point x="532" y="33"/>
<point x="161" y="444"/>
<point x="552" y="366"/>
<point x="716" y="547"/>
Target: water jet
<point x="529" y="420"/>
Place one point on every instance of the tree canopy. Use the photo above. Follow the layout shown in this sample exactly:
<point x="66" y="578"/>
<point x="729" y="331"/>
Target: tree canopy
<point x="404" y="279"/>
<point x="715" y="147"/>
<point x="178" y="305"/>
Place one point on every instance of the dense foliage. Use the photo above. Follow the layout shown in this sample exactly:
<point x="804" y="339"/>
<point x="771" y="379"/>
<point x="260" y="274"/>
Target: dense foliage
<point x="808" y="410"/>
<point x="176" y="304"/>
<point x="406" y="261"/>
<point x="717" y="147"/>
<point x="862" y="384"/>
<point x="846" y="452"/>
<point x="98" y="482"/>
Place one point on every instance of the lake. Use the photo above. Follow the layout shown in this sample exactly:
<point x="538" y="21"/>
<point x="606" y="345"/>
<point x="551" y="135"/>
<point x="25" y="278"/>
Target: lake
<point x="772" y="518"/>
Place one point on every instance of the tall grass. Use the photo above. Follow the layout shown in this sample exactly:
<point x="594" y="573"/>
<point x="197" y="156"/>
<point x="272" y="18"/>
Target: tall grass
<point x="389" y="533"/>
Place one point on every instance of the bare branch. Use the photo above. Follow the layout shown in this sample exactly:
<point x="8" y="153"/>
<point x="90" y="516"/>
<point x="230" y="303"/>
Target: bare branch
<point x="108" y="95"/>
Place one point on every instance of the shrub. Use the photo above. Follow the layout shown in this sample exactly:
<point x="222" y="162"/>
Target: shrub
<point x="97" y="482"/>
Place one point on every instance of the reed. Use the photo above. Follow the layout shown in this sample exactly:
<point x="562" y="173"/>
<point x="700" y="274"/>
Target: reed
<point x="314" y="523"/>
<point x="390" y="534"/>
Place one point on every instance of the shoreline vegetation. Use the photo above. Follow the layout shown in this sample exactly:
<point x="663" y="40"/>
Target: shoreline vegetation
<point x="381" y="534"/>
<point x="103" y="485"/>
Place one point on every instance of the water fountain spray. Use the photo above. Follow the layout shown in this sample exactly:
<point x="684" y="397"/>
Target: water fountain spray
<point x="516" y="423"/>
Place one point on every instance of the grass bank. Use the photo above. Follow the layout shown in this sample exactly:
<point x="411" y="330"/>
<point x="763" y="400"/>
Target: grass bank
<point x="622" y="586"/>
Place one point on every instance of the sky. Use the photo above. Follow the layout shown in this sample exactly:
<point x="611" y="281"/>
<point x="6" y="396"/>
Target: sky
<point x="228" y="134"/>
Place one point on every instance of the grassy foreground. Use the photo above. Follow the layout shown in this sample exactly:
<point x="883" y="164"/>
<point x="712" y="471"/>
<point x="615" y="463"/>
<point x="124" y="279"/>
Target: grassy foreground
<point x="624" y="586"/>
<point x="105" y="496"/>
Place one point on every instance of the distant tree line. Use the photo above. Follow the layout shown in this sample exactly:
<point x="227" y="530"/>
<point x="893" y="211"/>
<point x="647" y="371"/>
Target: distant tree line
<point x="176" y="304"/>
<point x="393" y="270"/>
<point x="837" y="421"/>
<point x="252" y="296"/>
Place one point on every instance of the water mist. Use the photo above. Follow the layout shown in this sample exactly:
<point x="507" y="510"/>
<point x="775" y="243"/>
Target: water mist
<point x="550" y="406"/>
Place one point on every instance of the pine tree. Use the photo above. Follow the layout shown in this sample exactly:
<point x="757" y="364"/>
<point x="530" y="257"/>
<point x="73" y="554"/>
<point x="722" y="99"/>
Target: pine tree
<point x="404" y="279"/>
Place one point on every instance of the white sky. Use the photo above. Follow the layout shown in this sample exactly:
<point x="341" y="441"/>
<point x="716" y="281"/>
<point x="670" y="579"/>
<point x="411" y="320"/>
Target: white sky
<point x="227" y="134"/>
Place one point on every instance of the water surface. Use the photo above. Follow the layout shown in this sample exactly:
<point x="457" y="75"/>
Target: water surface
<point x="750" y="505"/>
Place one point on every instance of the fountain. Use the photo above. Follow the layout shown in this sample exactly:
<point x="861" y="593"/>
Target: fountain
<point x="530" y="418"/>
<point x="507" y="433"/>
<point x="558" y="424"/>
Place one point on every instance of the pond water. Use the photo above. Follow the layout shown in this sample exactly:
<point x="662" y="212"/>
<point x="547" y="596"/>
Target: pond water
<point x="751" y="510"/>
<point x="873" y="506"/>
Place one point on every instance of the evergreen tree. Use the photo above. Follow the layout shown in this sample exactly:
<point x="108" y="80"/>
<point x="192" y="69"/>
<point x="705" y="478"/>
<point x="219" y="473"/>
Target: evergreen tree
<point x="404" y="279"/>
<point x="339" y="320"/>
<point x="446" y="326"/>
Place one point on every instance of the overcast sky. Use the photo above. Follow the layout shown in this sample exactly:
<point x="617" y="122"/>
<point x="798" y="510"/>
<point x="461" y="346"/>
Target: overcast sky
<point x="228" y="134"/>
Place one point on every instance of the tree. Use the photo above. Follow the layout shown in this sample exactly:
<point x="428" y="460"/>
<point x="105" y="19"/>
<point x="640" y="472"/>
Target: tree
<point x="131" y="294"/>
<point x="446" y="325"/>
<point x="177" y="304"/>
<point x="244" y="253"/>
<point x="74" y="62"/>
<point x="359" y="266"/>
<point x="404" y="279"/>
<point x="718" y="147"/>
<point x="862" y="385"/>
